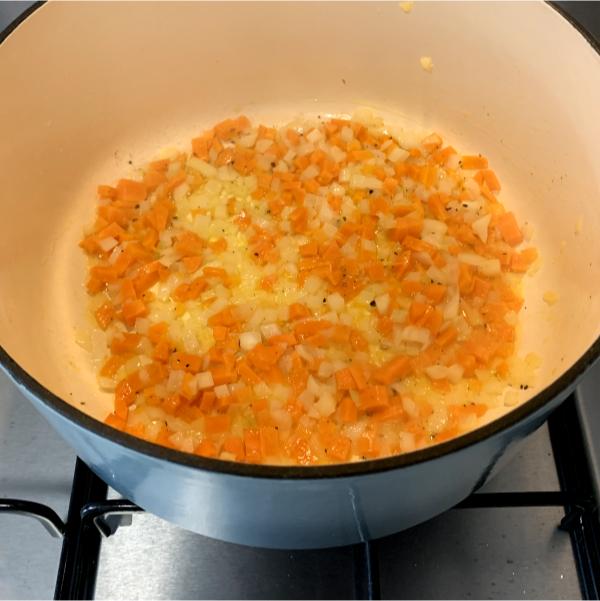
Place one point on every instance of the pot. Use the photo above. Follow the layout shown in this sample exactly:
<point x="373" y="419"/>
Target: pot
<point x="91" y="87"/>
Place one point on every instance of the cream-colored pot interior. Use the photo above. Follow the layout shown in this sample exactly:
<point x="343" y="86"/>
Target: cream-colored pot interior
<point x="89" y="87"/>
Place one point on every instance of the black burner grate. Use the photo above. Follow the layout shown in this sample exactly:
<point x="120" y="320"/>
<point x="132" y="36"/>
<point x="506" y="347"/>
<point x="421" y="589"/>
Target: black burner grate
<point x="91" y="516"/>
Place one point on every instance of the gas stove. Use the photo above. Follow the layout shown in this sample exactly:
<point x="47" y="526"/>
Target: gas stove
<point x="531" y="532"/>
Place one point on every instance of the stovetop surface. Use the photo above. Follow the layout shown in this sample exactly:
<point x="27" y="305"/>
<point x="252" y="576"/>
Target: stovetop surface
<point x="500" y="552"/>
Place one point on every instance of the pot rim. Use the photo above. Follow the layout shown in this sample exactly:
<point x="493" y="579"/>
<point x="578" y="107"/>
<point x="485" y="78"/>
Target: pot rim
<point x="344" y="470"/>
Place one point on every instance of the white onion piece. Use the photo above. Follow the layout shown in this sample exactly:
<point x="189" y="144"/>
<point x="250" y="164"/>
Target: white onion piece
<point x="175" y="380"/>
<point x="222" y="391"/>
<point x="480" y="227"/>
<point x="336" y="302"/>
<point x="364" y="181"/>
<point x="398" y="154"/>
<point x="107" y="244"/>
<point x="382" y="303"/>
<point x="439" y="372"/>
<point x="248" y="340"/>
<point x="489" y="267"/>
<point x="204" y="380"/>
<point x="325" y="405"/>
<point x="421" y="336"/>
<point x="206" y="169"/>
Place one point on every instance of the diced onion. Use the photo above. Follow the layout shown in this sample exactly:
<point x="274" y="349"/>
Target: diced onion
<point x="415" y="334"/>
<point x="365" y="181"/>
<point x="222" y="391"/>
<point x="248" y="340"/>
<point x="107" y="244"/>
<point x="204" y="380"/>
<point x="206" y="169"/>
<point x="382" y="303"/>
<point x="336" y="302"/>
<point x="480" y="227"/>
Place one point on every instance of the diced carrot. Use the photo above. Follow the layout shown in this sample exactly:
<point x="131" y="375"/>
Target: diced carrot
<point x="144" y="280"/>
<point x="466" y="281"/>
<point x="223" y="375"/>
<point x="216" y="424"/>
<point x="133" y="309"/>
<point x="159" y="165"/>
<point x="481" y="287"/>
<point x="435" y="292"/>
<point x="344" y="380"/>
<point x="112" y="365"/>
<point x="215" y="272"/>
<point x="358" y="342"/>
<point x="230" y="128"/>
<point x="189" y="244"/>
<point x="186" y="362"/>
<point x="115" y="422"/>
<point x="218" y="246"/>
<point x="226" y="318"/>
<point x="432" y="142"/>
<point x="264" y="357"/>
<point x="367" y="446"/>
<point x="158" y="216"/>
<point x="107" y="192"/>
<point x="220" y="333"/>
<point x="153" y="179"/>
<point x="393" y="370"/>
<point x="375" y="271"/>
<point x="156" y="331"/>
<point x="359" y="377"/>
<point x="509" y="229"/>
<point x="268" y="282"/>
<point x="162" y="350"/>
<point x="192" y="264"/>
<point x="248" y="374"/>
<point x="292" y="136"/>
<point x="252" y="446"/>
<point x="404" y="227"/>
<point x="390" y="185"/>
<point x="309" y="249"/>
<point x="402" y="263"/>
<point x="391" y="413"/>
<point x="124" y="393"/>
<point x="417" y="311"/>
<point x="235" y="446"/>
<point x="359" y="155"/>
<point x="418" y="245"/>
<point x="105" y="314"/>
<point x="269" y="441"/>
<point x="490" y="178"/>
<point x="521" y="262"/>
<point x="340" y="448"/>
<point x="374" y="398"/>
<point x="442" y="155"/>
<point x="288" y="339"/>
<point x="130" y="191"/>
<point x="310" y="328"/>
<point x="185" y="292"/>
<point x="124" y="343"/>
<point x="206" y="448"/>
<point x="446" y="337"/>
<point x="473" y="162"/>
<point x="207" y="401"/>
<point x="347" y="411"/>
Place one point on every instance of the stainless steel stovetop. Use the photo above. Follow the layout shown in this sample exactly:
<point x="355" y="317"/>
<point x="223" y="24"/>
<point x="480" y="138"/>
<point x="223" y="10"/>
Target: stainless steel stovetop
<point x="505" y="542"/>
